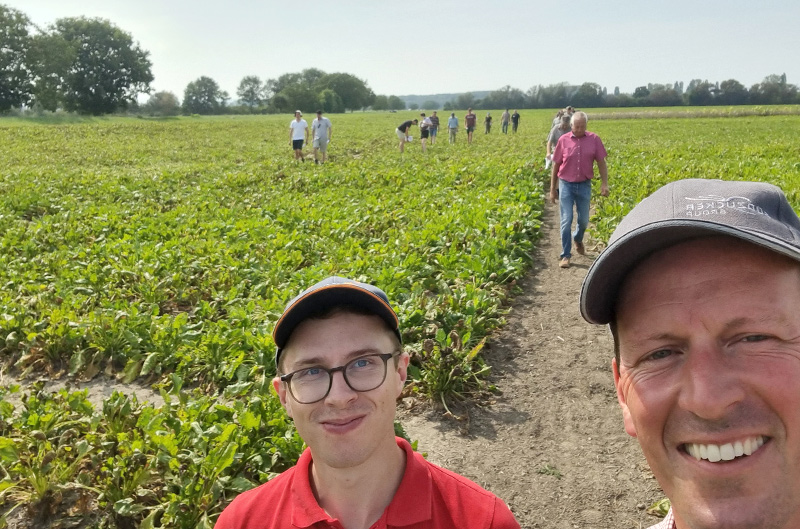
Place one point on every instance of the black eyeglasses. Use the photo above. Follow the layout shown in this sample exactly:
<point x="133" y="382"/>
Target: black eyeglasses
<point x="312" y="384"/>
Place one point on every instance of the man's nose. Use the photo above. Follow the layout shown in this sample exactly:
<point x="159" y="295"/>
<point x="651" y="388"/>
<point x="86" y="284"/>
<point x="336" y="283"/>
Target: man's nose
<point x="710" y="385"/>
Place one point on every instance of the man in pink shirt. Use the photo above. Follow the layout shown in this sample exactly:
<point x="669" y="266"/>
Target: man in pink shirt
<point x="571" y="181"/>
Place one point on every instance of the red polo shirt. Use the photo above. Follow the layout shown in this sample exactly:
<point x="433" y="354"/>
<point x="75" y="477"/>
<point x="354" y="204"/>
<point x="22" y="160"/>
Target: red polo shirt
<point x="428" y="497"/>
<point x="577" y="156"/>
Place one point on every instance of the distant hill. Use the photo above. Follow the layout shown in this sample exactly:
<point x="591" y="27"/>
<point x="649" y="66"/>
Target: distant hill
<point x="440" y="98"/>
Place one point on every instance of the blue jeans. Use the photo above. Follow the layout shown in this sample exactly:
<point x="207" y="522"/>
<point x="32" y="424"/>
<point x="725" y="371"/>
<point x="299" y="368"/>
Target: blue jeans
<point x="573" y="195"/>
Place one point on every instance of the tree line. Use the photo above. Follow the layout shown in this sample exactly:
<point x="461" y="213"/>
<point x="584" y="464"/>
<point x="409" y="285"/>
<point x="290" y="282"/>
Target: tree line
<point x="76" y="64"/>
<point x="91" y="66"/>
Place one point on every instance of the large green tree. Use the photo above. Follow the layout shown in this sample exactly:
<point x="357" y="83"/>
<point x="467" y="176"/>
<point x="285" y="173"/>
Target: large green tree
<point x="162" y="104"/>
<point x="588" y="95"/>
<point x="51" y="59"/>
<point x="251" y="91"/>
<point x="732" y="92"/>
<point x="380" y="103"/>
<point x="108" y="70"/>
<point x="774" y="90"/>
<point x="354" y="92"/>
<point x="16" y="77"/>
<point x="203" y="96"/>
<point x="700" y="93"/>
<point x="395" y="103"/>
<point x="506" y="97"/>
<point x="330" y="101"/>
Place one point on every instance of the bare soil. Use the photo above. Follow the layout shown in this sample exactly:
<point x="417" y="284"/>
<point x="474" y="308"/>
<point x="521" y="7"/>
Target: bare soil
<point x="552" y="445"/>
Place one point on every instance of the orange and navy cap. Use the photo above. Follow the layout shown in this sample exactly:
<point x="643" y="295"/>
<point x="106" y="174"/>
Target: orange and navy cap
<point x="328" y="293"/>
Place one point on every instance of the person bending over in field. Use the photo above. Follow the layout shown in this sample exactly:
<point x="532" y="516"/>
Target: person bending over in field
<point x="402" y="132"/>
<point x="341" y="367"/>
<point x="298" y="131"/>
<point x="700" y="286"/>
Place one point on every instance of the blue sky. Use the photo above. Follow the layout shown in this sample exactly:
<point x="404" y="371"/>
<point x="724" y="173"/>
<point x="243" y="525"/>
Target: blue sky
<point x="417" y="47"/>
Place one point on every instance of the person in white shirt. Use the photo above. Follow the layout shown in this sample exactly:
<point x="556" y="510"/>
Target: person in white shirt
<point x="321" y="134"/>
<point x="424" y="130"/>
<point x="298" y="132"/>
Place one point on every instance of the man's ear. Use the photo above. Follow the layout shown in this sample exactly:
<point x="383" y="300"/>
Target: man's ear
<point x="402" y="370"/>
<point x="630" y="427"/>
<point x="280" y="389"/>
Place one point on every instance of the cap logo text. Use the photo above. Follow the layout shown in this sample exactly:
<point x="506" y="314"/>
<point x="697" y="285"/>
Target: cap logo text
<point x="718" y="205"/>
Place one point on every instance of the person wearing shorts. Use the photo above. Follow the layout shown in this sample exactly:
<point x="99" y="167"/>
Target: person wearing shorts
<point x="424" y="130"/>
<point x="470" y="120"/>
<point x="435" y="128"/>
<point x="321" y="130"/>
<point x="402" y="132"/>
<point x="298" y="132"/>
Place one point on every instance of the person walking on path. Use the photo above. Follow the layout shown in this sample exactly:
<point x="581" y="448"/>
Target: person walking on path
<point x="470" y="122"/>
<point x="452" y="127"/>
<point x="514" y="121"/>
<point x="341" y="368"/>
<point x="298" y="132"/>
<point x="700" y="285"/>
<point x="402" y="132"/>
<point x="571" y="181"/>
<point x="321" y="133"/>
<point x="487" y="123"/>
<point x="552" y="139"/>
<point x="434" y="129"/>
<point x="504" y="119"/>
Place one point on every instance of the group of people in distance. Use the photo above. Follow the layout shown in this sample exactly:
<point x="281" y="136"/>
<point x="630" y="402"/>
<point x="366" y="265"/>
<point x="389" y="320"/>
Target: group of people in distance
<point x="429" y="127"/>
<point x="699" y="285"/>
<point x="321" y="132"/>
<point x="700" y="288"/>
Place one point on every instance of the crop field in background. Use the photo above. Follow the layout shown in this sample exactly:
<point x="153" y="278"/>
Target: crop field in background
<point x="162" y="252"/>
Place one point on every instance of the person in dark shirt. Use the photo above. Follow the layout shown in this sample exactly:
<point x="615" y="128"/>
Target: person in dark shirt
<point x="402" y="132"/>
<point x="435" y="128"/>
<point x="514" y="121"/>
<point x="470" y="121"/>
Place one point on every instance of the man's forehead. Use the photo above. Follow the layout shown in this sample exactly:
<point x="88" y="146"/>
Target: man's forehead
<point x="353" y="331"/>
<point x="718" y="253"/>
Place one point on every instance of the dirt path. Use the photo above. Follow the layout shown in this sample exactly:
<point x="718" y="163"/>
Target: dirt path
<point x="553" y="445"/>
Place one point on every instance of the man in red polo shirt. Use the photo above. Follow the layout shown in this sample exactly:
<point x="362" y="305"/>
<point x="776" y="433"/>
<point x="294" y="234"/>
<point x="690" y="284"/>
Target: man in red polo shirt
<point x="571" y="181"/>
<point x="341" y="368"/>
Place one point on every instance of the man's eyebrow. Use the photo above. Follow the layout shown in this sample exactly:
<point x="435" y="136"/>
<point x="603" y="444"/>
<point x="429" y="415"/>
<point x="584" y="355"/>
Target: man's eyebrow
<point x="320" y="361"/>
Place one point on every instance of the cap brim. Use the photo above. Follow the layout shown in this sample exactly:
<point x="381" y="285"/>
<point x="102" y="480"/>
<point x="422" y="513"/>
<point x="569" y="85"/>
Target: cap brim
<point x="601" y="284"/>
<point x="326" y="297"/>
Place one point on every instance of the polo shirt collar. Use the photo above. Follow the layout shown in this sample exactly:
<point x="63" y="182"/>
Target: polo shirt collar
<point x="410" y="505"/>
<point x="412" y="501"/>
<point x="305" y="509"/>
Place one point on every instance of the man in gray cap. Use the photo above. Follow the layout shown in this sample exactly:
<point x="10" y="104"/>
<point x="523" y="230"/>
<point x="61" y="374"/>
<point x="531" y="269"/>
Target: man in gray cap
<point x="341" y="367"/>
<point x="700" y="285"/>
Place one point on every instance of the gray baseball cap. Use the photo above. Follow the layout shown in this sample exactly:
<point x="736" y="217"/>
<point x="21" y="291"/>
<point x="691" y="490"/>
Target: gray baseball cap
<point x="328" y="293"/>
<point x="755" y="212"/>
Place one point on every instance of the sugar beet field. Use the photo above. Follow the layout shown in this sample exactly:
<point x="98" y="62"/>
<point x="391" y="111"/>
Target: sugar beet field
<point x="160" y="253"/>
